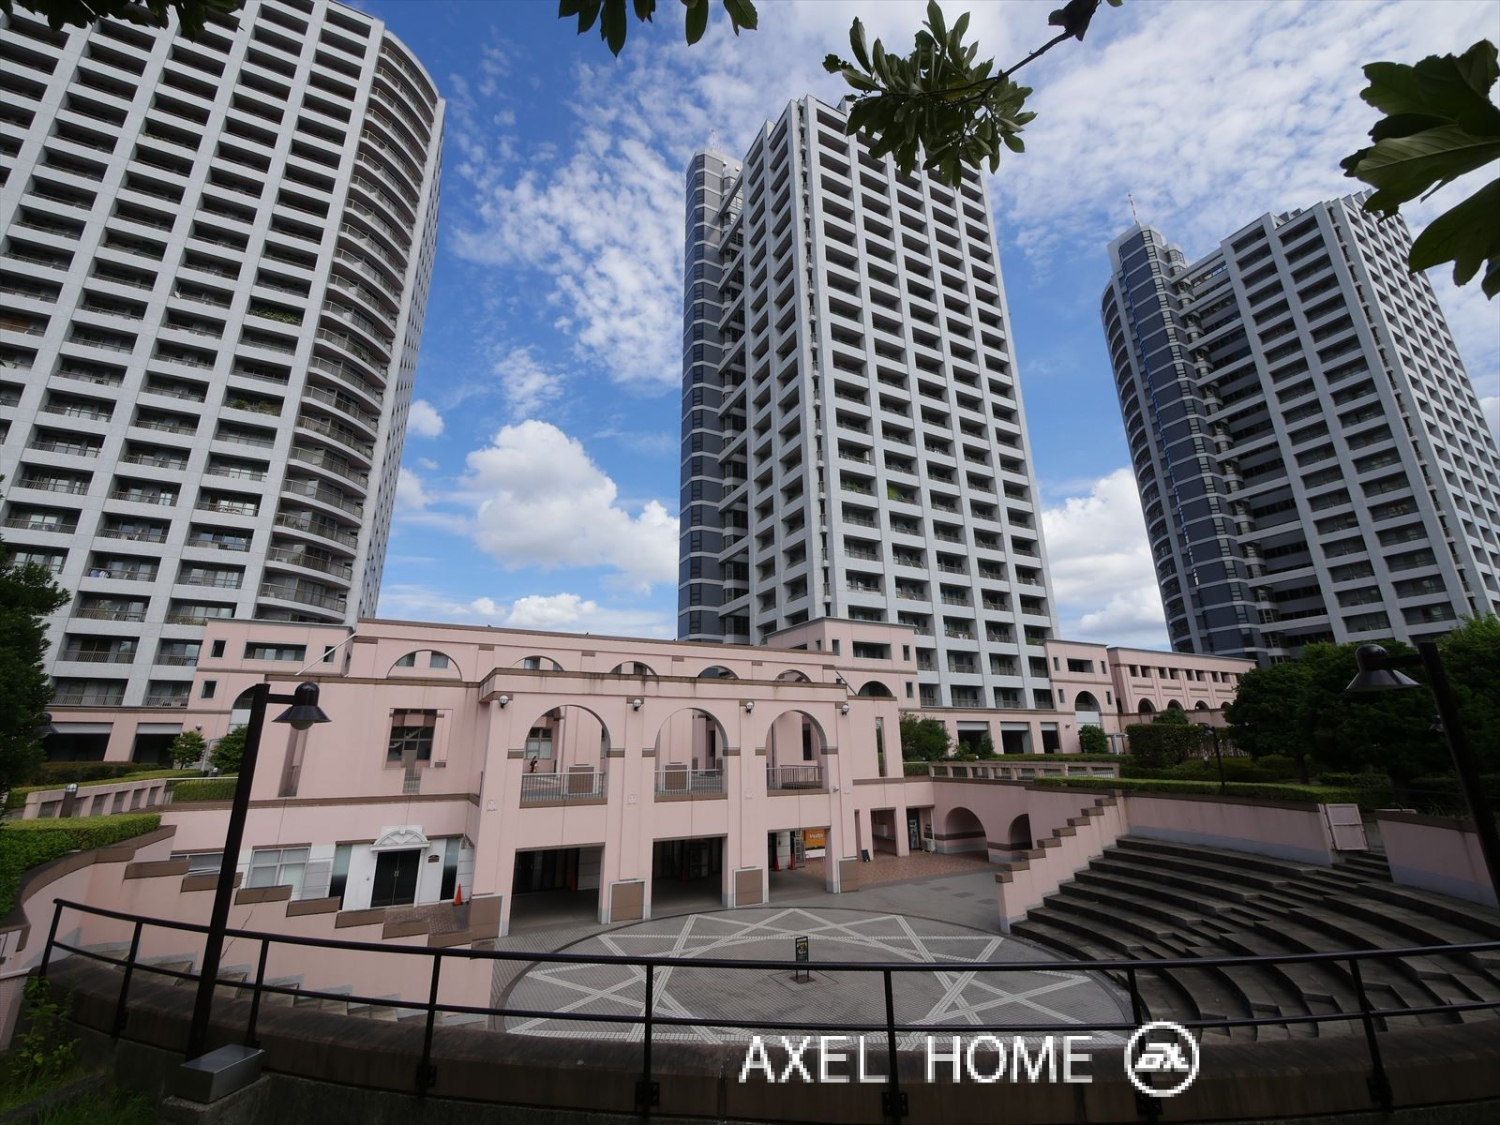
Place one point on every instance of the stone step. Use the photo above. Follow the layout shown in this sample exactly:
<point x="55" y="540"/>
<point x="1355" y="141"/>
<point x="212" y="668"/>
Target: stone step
<point x="1096" y="875"/>
<point x="1235" y="860"/>
<point x="1484" y="921"/>
<point x="1201" y="881"/>
<point x="1122" y="900"/>
<point x="1161" y="996"/>
<point x="1208" y="867"/>
<point x="323" y="1003"/>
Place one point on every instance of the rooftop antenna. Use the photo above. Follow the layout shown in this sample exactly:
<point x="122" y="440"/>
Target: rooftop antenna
<point x="1133" y="213"/>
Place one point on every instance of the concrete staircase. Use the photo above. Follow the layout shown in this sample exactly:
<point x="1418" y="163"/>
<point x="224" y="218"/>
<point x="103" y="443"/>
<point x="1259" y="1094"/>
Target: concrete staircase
<point x="1024" y="882"/>
<point x="1145" y="899"/>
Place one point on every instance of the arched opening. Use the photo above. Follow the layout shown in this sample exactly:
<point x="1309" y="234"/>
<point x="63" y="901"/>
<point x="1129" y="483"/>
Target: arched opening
<point x="796" y="752"/>
<point x="876" y="690"/>
<point x="717" y="672"/>
<point x="1146" y="708"/>
<point x="426" y="662"/>
<point x="1173" y="705"/>
<point x="1085" y="701"/>
<point x="962" y="832"/>
<point x="538" y="664"/>
<point x="688" y="872"/>
<point x="1020" y="834"/>
<point x="567" y="756"/>
<point x="1200" y="706"/>
<point x="791" y="675"/>
<point x="632" y="668"/>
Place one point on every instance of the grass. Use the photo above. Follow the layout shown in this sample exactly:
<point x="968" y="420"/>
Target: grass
<point x="101" y="1107"/>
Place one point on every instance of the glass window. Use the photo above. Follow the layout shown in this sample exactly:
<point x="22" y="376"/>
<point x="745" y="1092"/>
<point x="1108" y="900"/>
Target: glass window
<point x="278" y="867"/>
<point x="411" y="736"/>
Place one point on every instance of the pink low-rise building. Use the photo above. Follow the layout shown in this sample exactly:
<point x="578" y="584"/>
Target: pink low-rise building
<point x="600" y="771"/>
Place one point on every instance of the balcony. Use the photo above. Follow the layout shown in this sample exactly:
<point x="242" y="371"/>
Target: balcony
<point x="785" y="779"/>
<point x="679" y="781"/>
<point x="581" y="785"/>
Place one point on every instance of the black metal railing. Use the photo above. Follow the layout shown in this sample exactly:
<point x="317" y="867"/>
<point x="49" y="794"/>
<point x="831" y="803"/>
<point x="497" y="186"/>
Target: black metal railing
<point x="1126" y="973"/>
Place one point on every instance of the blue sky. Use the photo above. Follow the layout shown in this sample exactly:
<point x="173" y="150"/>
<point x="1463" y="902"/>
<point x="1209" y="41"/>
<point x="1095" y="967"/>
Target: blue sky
<point x="539" y="484"/>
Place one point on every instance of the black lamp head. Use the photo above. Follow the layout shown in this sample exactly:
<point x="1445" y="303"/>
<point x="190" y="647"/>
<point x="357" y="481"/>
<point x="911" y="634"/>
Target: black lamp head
<point x="1375" y="672"/>
<point x="305" y="711"/>
<point x="44" y="727"/>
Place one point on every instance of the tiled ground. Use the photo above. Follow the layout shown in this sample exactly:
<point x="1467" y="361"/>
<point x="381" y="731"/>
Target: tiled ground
<point x="922" y="908"/>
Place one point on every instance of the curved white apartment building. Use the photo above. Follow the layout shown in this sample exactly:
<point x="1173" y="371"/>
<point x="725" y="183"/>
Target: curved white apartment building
<point x="214" y="265"/>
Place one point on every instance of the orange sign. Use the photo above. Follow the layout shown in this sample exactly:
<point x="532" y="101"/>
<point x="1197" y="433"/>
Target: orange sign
<point x="814" y="837"/>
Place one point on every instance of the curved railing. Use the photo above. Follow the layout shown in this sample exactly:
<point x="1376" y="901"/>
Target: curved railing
<point x="1125" y="972"/>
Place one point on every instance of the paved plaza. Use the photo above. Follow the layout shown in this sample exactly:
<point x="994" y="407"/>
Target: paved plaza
<point x="945" y="916"/>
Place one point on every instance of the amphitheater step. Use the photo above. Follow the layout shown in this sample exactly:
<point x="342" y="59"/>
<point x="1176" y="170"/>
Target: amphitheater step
<point x="323" y="1003"/>
<point x="1240" y="860"/>
<point x="1202" y="866"/>
<point x="1199" y="880"/>
<point x="1482" y="920"/>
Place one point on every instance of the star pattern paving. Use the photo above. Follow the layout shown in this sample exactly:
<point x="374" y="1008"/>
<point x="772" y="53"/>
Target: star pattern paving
<point x="948" y="994"/>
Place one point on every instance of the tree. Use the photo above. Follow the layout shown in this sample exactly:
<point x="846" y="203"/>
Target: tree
<point x="228" y="750"/>
<point x="936" y="104"/>
<point x="1172" y="717"/>
<point x="923" y="740"/>
<point x="986" y="747"/>
<point x="191" y="14"/>
<point x="1093" y="740"/>
<point x="1471" y="657"/>
<point x="614" y="22"/>
<point x="188" y="749"/>
<point x="27" y="596"/>
<point x="1265" y="718"/>
<point x="1440" y="124"/>
<point x="1161" y="745"/>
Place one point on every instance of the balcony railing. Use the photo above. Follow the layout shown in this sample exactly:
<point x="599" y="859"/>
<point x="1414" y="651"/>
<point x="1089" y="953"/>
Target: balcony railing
<point x="680" y="780"/>
<point x="782" y="778"/>
<point x="579" y="785"/>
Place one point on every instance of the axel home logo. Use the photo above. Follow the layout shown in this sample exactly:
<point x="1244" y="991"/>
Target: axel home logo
<point x="1161" y="1059"/>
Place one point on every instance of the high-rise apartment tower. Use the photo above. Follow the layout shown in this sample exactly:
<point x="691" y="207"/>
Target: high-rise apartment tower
<point x="214" y="262"/>
<point x="1311" y="457"/>
<point x="853" y="439"/>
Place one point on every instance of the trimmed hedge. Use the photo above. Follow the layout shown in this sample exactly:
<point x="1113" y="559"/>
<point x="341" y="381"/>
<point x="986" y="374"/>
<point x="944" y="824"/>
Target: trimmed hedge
<point x="1206" y="769"/>
<point x="1302" y="794"/>
<point x="60" y="773"/>
<point x="25" y="844"/>
<point x="204" y="789"/>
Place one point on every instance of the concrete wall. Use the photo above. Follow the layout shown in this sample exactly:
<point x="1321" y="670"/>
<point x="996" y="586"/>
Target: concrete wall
<point x="1436" y="854"/>
<point x="1295" y="832"/>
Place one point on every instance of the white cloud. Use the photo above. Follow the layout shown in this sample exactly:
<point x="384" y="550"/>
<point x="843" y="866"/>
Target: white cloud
<point x="527" y="385"/>
<point x="424" y="420"/>
<point x="541" y="501"/>
<point x="410" y="495"/>
<point x="1102" y="574"/>
<point x="558" y="613"/>
<point x="1490" y="407"/>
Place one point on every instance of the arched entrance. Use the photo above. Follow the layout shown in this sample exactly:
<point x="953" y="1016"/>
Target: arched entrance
<point x="962" y="831"/>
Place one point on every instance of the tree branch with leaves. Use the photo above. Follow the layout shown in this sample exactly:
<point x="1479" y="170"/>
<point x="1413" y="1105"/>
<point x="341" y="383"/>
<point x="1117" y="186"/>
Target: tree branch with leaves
<point x="1440" y="124"/>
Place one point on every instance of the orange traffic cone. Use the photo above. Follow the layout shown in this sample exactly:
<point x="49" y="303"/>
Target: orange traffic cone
<point x="458" y="895"/>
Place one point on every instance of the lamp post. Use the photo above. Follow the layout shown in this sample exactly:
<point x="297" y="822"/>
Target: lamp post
<point x="302" y="714"/>
<point x="1377" y="672"/>
<point x="1218" y="757"/>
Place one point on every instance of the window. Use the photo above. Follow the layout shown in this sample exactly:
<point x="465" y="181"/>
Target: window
<point x="257" y="651"/>
<point x="411" y="737"/>
<point x="328" y="651"/>
<point x="539" y="742"/>
<point x="437" y="660"/>
<point x="278" y="867"/>
<point x="218" y="648"/>
<point x="201" y="863"/>
<point x="208" y="689"/>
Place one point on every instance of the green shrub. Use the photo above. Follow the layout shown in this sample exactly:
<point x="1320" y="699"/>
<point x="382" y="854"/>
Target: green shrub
<point x="60" y="773"/>
<point x="915" y="769"/>
<point x="1309" y="794"/>
<point x="16" y="798"/>
<point x="1278" y="765"/>
<point x="1157" y="745"/>
<point x="1093" y="740"/>
<point x="25" y="844"/>
<point x="1359" y="780"/>
<point x="203" y="789"/>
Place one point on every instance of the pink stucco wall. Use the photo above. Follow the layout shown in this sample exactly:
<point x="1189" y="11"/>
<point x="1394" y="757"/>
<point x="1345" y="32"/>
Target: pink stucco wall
<point x="1436" y="854"/>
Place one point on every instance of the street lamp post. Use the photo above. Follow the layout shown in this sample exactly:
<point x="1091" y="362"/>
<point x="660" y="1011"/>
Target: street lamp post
<point x="1218" y="756"/>
<point x="302" y="714"/>
<point x="1377" y="672"/>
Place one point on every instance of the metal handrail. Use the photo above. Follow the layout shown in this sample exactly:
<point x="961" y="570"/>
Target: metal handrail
<point x="648" y="1019"/>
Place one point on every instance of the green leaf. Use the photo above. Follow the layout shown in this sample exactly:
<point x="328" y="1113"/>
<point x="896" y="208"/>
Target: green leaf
<point x="697" y="19"/>
<point x="935" y="19"/>
<point x="858" y="45"/>
<point x="1404" y="167"/>
<point x="1465" y="235"/>
<point x="613" y="25"/>
<point x="742" y="14"/>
